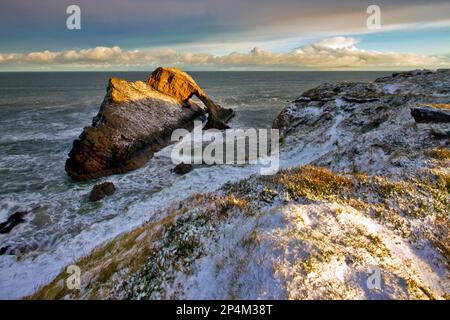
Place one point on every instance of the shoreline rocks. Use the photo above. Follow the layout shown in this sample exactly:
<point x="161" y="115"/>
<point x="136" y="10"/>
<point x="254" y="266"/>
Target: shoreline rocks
<point x="12" y="221"/>
<point x="99" y="191"/>
<point x="183" y="168"/>
<point x="428" y="114"/>
<point x="135" y="120"/>
<point x="366" y="127"/>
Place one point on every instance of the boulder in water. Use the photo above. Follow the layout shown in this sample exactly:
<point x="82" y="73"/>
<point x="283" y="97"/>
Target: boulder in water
<point x="183" y="168"/>
<point x="102" y="190"/>
<point x="13" y="220"/>
<point x="3" y="250"/>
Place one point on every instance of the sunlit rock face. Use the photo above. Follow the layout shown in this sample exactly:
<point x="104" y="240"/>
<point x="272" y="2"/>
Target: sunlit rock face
<point x="135" y="120"/>
<point x="179" y="85"/>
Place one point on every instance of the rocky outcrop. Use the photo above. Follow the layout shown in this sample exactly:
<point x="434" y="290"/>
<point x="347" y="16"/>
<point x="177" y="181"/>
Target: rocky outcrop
<point x="12" y="221"/>
<point x="368" y="127"/>
<point x="99" y="191"/>
<point x="428" y="114"/>
<point x="3" y="250"/>
<point x="179" y="85"/>
<point x="135" y="120"/>
<point x="183" y="168"/>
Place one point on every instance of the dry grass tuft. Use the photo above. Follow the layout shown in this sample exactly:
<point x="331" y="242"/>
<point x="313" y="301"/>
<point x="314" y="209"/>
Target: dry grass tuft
<point x="313" y="182"/>
<point x="439" y="153"/>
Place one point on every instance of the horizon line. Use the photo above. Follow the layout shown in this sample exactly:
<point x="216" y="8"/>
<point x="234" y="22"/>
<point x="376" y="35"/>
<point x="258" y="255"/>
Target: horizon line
<point x="186" y="70"/>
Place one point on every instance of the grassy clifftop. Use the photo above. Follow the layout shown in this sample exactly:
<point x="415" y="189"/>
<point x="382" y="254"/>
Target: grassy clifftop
<point x="303" y="233"/>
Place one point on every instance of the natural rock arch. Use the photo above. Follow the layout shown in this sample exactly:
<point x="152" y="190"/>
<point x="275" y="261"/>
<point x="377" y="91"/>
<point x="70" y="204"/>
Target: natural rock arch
<point x="179" y="85"/>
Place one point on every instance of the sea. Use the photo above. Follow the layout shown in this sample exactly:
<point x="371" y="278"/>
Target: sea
<point x="42" y="113"/>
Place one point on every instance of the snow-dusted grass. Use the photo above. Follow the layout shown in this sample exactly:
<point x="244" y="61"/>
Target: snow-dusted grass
<point x="305" y="233"/>
<point x="439" y="153"/>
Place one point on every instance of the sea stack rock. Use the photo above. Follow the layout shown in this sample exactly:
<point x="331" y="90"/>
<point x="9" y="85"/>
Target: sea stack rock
<point x="135" y="120"/>
<point x="179" y="85"/>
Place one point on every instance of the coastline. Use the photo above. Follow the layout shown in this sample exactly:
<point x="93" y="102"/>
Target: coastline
<point x="374" y="192"/>
<point x="63" y="225"/>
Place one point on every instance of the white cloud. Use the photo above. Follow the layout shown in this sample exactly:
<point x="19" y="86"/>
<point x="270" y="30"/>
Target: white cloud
<point x="99" y="54"/>
<point x="330" y="53"/>
<point x="338" y="43"/>
<point x="41" y="57"/>
<point x="8" y="57"/>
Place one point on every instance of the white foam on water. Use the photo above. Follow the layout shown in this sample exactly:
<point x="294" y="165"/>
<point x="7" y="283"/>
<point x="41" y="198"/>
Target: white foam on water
<point x="60" y="135"/>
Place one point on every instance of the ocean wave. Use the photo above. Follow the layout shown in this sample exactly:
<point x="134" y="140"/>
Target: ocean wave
<point x="36" y="136"/>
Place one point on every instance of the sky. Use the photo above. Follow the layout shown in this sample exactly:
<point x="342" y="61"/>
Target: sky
<point x="224" y="35"/>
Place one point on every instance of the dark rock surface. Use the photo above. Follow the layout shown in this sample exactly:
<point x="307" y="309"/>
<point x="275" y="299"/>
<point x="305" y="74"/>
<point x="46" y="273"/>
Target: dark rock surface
<point x="13" y="220"/>
<point x="102" y="190"/>
<point x="183" y="168"/>
<point x="430" y="115"/>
